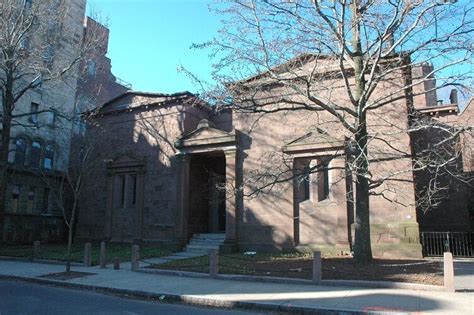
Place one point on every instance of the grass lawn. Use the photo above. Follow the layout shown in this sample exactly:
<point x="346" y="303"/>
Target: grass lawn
<point x="296" y="265"/>
<point x="58" y="252"/>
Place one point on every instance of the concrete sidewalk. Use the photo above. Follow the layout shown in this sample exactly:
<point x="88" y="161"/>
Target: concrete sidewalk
<point x="272" y="296"/>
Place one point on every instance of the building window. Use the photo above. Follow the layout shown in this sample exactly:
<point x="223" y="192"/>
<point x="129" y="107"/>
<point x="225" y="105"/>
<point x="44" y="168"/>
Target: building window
<point x="125" y="187"/>
<point x="119" y="188"/>
<point x="134" y="189"/>
<point x="91" y="68"/>
<point x="50" y="118"/>
<point x="15" y="198"/>
<point x="323" y="181"/>
<point x="20" y="152"/>
<point x="46" y="201"/>
<point x="48" y="157"/>
<point x="82" y="127"/>
<point x="313" y="182"/>
<point x="30" y="206"/>
<point x="48" y="54"/>
<point x="35" y="154"/>
<point x="24" y="43"/>
<point x="306" y="182"/>
<point x="34" y="112"/>
<point x="11" y="151"/>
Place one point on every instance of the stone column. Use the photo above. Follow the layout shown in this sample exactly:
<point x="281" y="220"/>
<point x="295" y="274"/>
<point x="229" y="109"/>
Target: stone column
<point x="182" y="203"/>
<point x="140" y="193"/>
<point x="231" y="220"/>
<point x="109" y="206"/>
<point x="296" y="202"/>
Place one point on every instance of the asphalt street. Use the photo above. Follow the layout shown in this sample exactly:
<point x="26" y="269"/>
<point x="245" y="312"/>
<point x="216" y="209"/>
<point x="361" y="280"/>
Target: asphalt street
<point x="24" y="298"/>
<point x="464" y="274"/>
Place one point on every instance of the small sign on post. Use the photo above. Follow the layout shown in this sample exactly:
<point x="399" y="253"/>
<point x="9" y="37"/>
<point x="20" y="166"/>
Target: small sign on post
<point x="448" y="272"/>
<point x="103" y="255"/>
<point x="213" y="263"/>
<point x="87" y="254"/>
<point x="135" y="257"/>
<point x="317" y="267"/>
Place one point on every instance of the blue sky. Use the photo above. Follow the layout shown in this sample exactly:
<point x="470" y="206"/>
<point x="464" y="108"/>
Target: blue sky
<point x="150" y="39"/>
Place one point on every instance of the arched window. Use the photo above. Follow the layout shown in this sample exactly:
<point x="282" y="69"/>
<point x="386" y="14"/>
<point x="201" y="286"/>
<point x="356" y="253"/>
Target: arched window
<point x="48" y="157"/>
<point x="35" y="154"/>
<point x="20" y="151"/>
<point x="11" y="151"/>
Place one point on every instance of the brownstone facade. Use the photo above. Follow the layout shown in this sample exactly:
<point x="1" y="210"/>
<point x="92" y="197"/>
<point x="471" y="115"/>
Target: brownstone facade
<point x="174" y="167"/>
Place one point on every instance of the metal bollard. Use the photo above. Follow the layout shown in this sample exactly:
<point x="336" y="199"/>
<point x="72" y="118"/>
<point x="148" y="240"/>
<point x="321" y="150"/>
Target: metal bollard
<point x="87" y="255"/>
<point x="213" y="263"/>
<point x="135" y="258"/>
<point x="36" y="249"/>
<point x="317" y="267"/>
<point x="116" y="263"/>
<point x="103" y="255"/>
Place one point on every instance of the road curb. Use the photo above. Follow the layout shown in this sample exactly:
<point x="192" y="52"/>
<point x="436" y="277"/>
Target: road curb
<point x="193" y="300"/>
<point x="40" y="261"/>
<point x="345" y="283"/>
<point x="338" y="283"/>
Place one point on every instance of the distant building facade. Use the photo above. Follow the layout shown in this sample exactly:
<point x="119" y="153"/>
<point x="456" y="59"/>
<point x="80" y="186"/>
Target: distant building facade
<point x="41" y="139"/>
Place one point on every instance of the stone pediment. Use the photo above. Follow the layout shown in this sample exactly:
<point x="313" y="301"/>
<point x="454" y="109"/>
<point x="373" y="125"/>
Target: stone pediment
<point x="205" y="135"/>
<point x="126" y="160"/>
<point x="314" y="141"/>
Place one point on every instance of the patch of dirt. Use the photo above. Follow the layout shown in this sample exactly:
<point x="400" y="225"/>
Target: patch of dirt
<point x="66" y="275"/>
<point x="344" y="268"/>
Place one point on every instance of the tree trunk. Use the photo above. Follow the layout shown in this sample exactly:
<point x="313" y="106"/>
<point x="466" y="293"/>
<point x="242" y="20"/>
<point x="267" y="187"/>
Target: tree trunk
<point x="362" y="248"/>
<point x="8" y="105"/>
<point x="362" y="242"/>
<point x="69" y="237"/>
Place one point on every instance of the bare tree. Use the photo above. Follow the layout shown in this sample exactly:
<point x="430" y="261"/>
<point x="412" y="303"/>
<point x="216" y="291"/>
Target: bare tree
<point x="352" y="62"/>
<point x="37" y="50"/>
<point x="67" y="188"/>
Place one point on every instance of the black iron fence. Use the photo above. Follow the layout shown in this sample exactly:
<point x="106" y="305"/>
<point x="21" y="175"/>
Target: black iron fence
<point x="460" y="244"/>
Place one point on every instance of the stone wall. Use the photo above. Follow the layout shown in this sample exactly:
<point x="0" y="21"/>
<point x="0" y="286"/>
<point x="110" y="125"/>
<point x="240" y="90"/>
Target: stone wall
<point x="146" y="134"/>
<point x="269" y="219"/>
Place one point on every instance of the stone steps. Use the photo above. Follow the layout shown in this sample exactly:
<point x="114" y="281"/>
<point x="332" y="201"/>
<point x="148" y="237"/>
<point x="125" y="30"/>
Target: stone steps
<point x="204" y="243"/>
<point x="209" y="236"/>
<point x="199" y="245"/>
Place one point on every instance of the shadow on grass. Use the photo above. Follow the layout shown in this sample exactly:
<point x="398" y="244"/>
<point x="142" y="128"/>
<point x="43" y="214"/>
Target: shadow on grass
<point x="58" y="252"/>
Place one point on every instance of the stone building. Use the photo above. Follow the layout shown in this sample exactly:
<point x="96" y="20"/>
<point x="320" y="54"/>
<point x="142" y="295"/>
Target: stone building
<point x="174" y="167"/>
<point x="41" y="138"/>
<point x="455" y="213"/>
<point x="96" y="83"/>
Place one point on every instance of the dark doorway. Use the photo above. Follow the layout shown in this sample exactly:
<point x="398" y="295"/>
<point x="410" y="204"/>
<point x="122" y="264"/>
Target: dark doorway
<point x="206" y="194"/>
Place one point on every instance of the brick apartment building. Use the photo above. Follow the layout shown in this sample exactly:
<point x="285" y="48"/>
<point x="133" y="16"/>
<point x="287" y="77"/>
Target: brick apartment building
<point x="41" y="139"/>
